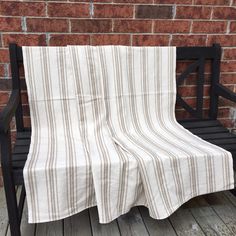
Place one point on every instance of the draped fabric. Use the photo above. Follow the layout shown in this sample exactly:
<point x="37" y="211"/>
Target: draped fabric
<point x="140" y="95"/>
<point x="57" y="173"/>
<point x="104" y="133"/>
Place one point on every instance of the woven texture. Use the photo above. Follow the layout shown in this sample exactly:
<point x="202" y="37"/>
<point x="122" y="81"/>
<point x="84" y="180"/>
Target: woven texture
<point x="104" y="133"/>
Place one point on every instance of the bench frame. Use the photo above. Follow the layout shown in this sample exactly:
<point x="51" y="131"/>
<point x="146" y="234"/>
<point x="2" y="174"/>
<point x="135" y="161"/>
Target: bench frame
<point x="14" y="176"/>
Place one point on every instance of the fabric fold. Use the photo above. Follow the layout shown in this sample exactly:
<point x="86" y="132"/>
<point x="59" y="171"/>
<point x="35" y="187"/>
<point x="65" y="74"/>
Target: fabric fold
<point x="116" y="175"/>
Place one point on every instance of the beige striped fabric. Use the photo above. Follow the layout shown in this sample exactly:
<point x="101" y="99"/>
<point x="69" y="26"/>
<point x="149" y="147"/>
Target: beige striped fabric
<point x="138" y="91"/>
<point x="57" y="174"/>
<point x="104" y="133"/>
<point x="64" y="149"/>
<point x="117" y="182"/>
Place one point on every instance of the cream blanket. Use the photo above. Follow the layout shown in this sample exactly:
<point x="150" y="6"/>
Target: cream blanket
<point x="104" y="133"/>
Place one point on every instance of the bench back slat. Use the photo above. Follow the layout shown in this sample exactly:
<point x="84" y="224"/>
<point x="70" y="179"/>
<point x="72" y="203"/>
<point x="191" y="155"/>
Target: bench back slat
<point x="200" y="56"/>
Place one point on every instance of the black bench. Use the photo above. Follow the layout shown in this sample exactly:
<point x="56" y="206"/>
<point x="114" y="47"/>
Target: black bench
<point x="13" y="160"/>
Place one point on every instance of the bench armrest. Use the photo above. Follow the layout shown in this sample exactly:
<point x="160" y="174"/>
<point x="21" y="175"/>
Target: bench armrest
<point x="9" y="111"/>
<point x="221" y="90"/>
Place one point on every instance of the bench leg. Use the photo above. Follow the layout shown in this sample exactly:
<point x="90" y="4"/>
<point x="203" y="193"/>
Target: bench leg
<point x="12" y="206"/>
<point x="233" y="191"/>
<point x="9" y="185"/>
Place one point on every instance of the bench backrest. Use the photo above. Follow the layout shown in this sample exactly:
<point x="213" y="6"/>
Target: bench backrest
<point x="197" y="58"/>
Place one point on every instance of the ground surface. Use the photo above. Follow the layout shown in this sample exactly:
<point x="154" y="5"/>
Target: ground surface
<point x="213" y="214"/>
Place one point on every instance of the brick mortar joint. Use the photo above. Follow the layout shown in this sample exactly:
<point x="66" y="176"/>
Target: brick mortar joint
<point x="116" y="18"/>
<point x="228" y="27"/>
<point x="174" y="11"/>
<point x="117" y="32"/>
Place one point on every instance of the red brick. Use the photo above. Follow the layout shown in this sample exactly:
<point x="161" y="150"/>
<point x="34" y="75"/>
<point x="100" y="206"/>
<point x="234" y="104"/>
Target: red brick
<point x="47" y="25"/>
<point x="151" y="40"/>
<point x="13" y="135"/>
<point x="228" y="66"/>
<point x="14" y="8"/>
<point x="113" y="11"/>
<point x="25" y="39"/>
<point x="5" y="84"/>
<point x="110" y="39"/>
<point x="172" y="26"/>
<point x="188" y="40"/>
<point x="24" y="98"/>
<point x="4" y="97"/>
<point x="182" y="65"/>
<point x="153" y="12"/>
<point x="23" y="84"/>
<point x="91" y="26"/>
<point x="68" y="39"/>
<point x="132" y="1"/>
<point x="173" y="1"/>
<point x="85" y="0"/>
<point x="2" y="71"/>
<point x="190" y="101"/>
<point x="21" y="71"/>
<point x="228" y="78"/>
<point x="187" y="91"/>
<point x="225" y="102"/>
<point x="103" y="1"/>
<point x="27" y="121"/>
<point x="193" y="78"/>
<point x="224" y="13"/>
<point x="228" y="123"/>
<point x="182" y="114"/>
<point x="223" y="112"/>
<point x="76" y="10"/>
<point x="195" y="12"/>
<point x="209" y="27"/>
<point x="132" y="26"/>
<point x="211" y="2"/>
<point x="230" y="54"/>
<point x="79" y="1"/>
<point x="224" y="40"/>
<point x="193" y="101"/>
<point x="10" y="24"/>
<point x="233" y="27"/>
<point x="26" y="110"/>
<point x="206" y="90"/>
<point x="4" y="56"/>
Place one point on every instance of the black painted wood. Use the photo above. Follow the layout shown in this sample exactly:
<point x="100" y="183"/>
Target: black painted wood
<point x="20" y="149"/>
<point x="9" y="111"/>
<point x="225" y="92"/>
<point x="16" y="84"/>
<point x="23" y="135"/>
<point x="208" y="130"/>
<point x="201" y="124"/>
<point x="9" y="184"/>
<point x="214" y="82"/>
<point x="216" y="136"/>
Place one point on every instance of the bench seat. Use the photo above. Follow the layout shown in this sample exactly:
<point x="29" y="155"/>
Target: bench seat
<point x="209" y="130"/>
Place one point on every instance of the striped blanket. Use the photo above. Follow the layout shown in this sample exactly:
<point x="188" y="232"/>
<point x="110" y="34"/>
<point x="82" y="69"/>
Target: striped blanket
<point x="104" y="133"/>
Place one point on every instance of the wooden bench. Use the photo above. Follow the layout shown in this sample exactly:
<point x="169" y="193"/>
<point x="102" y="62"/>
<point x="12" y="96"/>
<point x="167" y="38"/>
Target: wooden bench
<point x="13" y="160"/>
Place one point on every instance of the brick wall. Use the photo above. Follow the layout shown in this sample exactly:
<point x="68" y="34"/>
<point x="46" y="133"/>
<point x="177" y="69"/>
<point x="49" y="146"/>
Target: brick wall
<point x="126" y="22"/>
